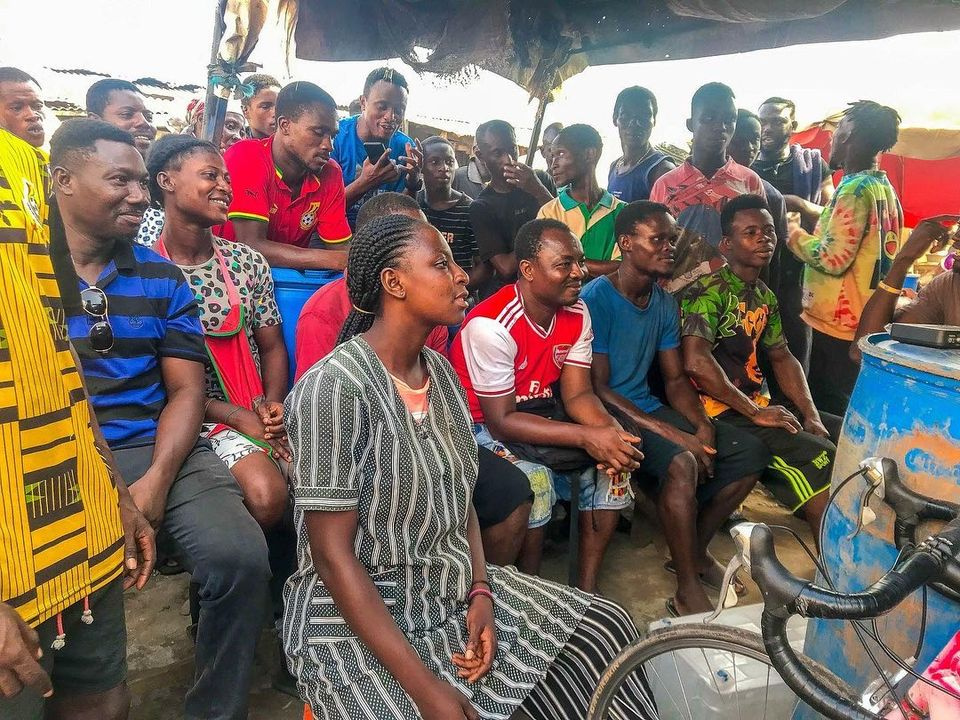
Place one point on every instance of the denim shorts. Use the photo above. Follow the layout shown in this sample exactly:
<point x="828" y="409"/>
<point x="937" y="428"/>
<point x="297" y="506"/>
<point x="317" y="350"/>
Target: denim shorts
<point x="595" y="488"/>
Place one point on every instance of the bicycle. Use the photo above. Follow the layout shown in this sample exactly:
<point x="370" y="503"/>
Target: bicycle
<point x="935" y="561"/>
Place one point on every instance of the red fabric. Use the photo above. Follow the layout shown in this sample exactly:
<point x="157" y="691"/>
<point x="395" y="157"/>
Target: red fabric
<point x="236" y="368"/>
<point x="923" y="186"/>
<point x="322" y="318"/>
<point x="231" y="355"/>
<point x="259" y="193"/>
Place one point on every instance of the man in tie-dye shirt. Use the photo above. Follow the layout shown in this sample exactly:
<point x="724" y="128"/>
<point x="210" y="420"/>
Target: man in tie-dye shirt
<point x="851" y="250"/>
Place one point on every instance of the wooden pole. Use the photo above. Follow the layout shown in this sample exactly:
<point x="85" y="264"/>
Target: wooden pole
<point x="537" y="126"/>
<point x="214" y="107"/>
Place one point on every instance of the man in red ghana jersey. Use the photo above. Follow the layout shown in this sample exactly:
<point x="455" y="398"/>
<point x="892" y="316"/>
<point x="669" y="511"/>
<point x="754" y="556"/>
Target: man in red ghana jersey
<point x="512" y="351"/>
<point x="288" y="200"/>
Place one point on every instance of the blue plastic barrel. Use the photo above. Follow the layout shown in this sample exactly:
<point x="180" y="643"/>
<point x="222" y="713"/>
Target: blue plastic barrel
<point x="293" y="288"/>
<point x="906" y="406"/>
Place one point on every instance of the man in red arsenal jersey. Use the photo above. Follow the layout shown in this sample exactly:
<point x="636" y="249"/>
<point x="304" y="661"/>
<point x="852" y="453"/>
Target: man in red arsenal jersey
<point x="524" y="357"/>
<point x="288" y="200"/>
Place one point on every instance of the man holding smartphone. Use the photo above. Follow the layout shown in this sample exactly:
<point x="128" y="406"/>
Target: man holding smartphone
<point x="370" y="148"/>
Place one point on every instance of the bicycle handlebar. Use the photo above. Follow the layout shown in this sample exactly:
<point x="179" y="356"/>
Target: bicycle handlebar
<point x="911" y="509"/>
<point x="785" y="594"/>
<point x="782" y="589"/>
<point x="799" y="679"/>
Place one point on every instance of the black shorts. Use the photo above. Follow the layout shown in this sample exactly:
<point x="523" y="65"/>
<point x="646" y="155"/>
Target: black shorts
<point x="801" y="463"/>
<point x="739" y="454"/>
<point x="501" y="488"/>
<point x="92" y="660"/>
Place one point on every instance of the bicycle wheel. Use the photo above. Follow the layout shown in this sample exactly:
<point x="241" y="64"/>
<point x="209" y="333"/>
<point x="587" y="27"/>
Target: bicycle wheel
<point x="701" y="672"/>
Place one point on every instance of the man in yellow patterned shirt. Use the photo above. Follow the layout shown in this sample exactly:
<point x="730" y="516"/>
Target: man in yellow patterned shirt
<point x="68" y="530"/>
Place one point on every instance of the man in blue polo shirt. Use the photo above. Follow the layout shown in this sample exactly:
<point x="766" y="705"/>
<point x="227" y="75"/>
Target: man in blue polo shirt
<point x="135" y="326"/>
<point x="382" y="108"/>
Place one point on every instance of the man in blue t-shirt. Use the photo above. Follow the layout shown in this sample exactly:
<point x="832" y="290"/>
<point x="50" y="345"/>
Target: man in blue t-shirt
<point x="698" y="470"/>
<point x="382" y="108"/>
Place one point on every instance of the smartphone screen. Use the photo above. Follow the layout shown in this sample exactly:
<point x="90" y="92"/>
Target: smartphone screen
<point x="374" y="150"/>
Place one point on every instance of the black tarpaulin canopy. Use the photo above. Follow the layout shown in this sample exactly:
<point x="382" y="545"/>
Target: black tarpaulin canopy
<point x="540" y="43"/>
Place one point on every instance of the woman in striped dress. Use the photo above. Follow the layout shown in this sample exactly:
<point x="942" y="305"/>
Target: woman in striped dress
<point x="393" y="612"/>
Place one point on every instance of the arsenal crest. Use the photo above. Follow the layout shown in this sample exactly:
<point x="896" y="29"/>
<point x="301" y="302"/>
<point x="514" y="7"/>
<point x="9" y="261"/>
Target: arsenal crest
<point x="560" y="353"/>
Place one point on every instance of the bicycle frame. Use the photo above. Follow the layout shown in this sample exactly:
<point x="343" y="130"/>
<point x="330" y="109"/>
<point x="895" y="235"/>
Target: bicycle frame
<point x="935" y="562"/>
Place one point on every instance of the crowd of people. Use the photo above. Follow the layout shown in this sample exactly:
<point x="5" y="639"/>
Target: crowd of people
<point x="500" y="336"/>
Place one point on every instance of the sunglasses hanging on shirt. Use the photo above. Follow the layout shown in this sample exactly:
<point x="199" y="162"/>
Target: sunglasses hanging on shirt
<point x="94" y="303"/>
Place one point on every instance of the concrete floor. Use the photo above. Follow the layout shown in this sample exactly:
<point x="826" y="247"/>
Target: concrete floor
<point x="160" y="651"/>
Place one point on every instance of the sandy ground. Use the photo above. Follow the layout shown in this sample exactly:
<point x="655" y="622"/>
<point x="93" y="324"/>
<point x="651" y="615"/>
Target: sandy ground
<point x="161" y="651"/>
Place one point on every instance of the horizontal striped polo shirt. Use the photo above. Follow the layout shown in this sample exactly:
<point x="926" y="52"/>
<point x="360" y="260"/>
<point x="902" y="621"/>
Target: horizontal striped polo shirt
<point x="154" y="315"/>
<point x="455" y="226"/>
<point x="594" y="227"/>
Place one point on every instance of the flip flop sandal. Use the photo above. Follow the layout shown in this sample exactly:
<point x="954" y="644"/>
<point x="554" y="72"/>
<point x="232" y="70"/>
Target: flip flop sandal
<point x="738" y="586"/>
<point x="671" y="606"/>
<point x="169" y="566"/>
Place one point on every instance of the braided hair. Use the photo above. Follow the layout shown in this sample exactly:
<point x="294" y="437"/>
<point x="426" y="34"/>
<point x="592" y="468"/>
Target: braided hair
<point x="377" y="245"/>
<point x="168" y="153"/>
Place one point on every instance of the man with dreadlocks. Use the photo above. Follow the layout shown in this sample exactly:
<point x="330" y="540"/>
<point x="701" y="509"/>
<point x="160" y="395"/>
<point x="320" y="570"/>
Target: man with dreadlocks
<point x="850" y="251"/>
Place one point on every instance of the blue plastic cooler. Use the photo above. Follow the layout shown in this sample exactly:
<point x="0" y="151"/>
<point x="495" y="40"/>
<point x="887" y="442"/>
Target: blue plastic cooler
<point x="293" y="288"/>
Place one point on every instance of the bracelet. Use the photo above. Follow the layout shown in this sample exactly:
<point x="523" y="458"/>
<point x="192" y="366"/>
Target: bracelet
<point x="230" y="414"/>
<point x="477" y="592"/>
<point x="889" y="288"/>
<point x="481" y="582"/>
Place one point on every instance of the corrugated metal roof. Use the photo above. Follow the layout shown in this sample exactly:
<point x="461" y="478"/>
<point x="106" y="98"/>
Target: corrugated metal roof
<point x="77" y="71"/>
<point x="65" y="91"/>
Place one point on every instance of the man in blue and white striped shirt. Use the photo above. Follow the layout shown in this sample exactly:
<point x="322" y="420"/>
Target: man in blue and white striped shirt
<point x="137" y="332"/>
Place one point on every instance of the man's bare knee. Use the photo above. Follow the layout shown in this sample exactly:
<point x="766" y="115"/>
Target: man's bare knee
<point x="680" y="485"/>
<point x="267" y="505"/>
